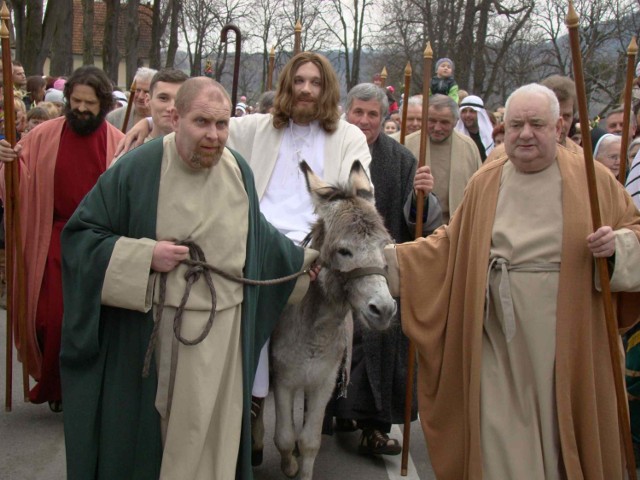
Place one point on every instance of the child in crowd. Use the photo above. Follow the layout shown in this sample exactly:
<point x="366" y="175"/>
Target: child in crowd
<point x="35" y="117"/>
<point x="444" y="83"/>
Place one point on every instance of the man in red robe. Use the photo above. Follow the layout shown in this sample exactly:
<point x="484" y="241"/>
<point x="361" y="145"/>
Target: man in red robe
<point x="60" y="161"/>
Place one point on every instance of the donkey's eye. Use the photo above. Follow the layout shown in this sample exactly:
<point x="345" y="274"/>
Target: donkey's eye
<point x="344" y="252"/>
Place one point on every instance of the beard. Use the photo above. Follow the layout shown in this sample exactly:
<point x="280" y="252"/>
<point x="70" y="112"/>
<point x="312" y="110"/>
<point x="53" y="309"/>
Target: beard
<point x="201" y="161"/>
<point x="83" y="123"/>
<point x="304" y="113"/>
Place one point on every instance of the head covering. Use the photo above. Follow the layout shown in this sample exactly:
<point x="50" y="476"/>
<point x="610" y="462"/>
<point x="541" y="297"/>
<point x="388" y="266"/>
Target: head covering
<point x="241" y="106"/>
<point x="484" y="123"/>
<point x="391" y="89"/>
<point x="601" y="142"/>
<point x="596" y="134"/>
<point x="54" y="95"/>
<point x="59" y="84"/>
<point x="120" y="98"/>
<point x="445" y="59"/>
<point x="638" y="70"/>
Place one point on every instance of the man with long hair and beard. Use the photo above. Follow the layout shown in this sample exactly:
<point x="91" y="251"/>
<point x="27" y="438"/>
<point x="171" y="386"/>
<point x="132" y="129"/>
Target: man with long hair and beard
<point x="305" y="125"/>
<point x="60" y="161"/>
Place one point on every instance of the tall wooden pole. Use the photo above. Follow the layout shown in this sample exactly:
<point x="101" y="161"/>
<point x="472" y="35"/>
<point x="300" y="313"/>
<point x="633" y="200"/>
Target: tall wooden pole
<point x="236" y="64"/>
<point x="272" y="62"/>
<point x="298" y="33"/>
<point x="424" y="152"/>
<point x="405" y="102"/>
<point x="632" y="51"/>
<point x="383" y="77"/>
<point x="572" y="22"/>
<point x="127" y="113"/>
<point x="16" y="295"/>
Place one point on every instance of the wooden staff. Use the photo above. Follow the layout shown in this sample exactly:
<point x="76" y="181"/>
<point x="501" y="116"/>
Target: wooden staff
<point x="383" y="77"/>
<point x="236" y="65"/>
<point x="127" y="113"/>
<point x="632" y="50"/>
<point x="13" y="249"/>
<point x="296" y="42"/>
<point x="411" y="357"/>
<point x="272" y="62"/>
<point x="572" y="22"/>
<point x="405" y="102"/>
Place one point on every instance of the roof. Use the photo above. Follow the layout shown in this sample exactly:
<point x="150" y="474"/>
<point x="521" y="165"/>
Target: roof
<point x="145" y="13"/>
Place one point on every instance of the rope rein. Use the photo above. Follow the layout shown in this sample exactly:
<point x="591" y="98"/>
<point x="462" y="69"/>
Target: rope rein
<point x="198" y="266"/>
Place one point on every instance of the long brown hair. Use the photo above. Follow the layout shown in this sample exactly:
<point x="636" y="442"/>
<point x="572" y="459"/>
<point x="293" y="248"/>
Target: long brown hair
<point x="328" y="114"/>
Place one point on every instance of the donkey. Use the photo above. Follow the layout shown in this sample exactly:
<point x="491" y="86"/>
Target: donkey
<point x="310" y="340"/>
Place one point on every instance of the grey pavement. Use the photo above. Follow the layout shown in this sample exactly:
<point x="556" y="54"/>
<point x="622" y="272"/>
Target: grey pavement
<point x="32" y="443"/>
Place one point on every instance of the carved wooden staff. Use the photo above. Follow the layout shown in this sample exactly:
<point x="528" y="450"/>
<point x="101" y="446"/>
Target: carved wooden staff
<point x="424" y="152"/>
<point x="236" y="65"/>
<point x="13" y="248"/>
<point x="296" y="41"/>
<point x="572" y="22"/>
<point x="272" y="62"/>
<point x="405" y="102"/>
<point x="632" y="50"/>
<point x="383" y="77"/>
<point x="127" y="113"/>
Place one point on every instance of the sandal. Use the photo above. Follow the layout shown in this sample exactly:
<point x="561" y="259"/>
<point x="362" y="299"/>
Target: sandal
<point x="374" y="442"/>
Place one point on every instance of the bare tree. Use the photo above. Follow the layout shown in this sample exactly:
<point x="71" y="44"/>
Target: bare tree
<point x="131" y="39"/>
<point x="110" y="54"/>
<point x="458" y="29"/>
<point x="268" y="26"/>
<point x="87" y="31"/>
<point x="61" y="55"/>
<point x="174" y="28"/>
<point x="606" y="27"/>
<point x="346" y="23"/>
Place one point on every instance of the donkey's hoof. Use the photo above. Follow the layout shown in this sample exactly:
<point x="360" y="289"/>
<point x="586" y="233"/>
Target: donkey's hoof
<point x="256" y="458"/>
<point x="290" y="468"/>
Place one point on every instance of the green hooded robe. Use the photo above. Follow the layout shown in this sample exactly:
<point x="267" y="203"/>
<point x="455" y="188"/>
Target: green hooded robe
<point x="112" y="429"/>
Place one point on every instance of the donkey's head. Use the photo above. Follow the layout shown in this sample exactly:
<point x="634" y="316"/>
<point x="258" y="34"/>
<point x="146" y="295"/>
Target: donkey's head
<point x="350" y="236"/>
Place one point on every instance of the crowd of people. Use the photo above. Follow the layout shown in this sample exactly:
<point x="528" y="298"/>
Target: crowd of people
<point x="498" y="293"/>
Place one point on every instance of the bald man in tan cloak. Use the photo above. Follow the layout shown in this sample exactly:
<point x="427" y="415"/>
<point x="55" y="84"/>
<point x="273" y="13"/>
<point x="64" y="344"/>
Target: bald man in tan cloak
<point x="515" y="380"/>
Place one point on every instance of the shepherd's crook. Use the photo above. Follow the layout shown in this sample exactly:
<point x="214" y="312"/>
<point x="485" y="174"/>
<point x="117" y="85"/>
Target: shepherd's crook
<point x="236" y="65"/>
<point x="572" y="22"/>
<point x="13" y="249"/>
<point x="424" y="152"/>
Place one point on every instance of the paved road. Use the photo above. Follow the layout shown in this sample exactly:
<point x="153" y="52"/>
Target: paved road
<point x="32" y="444"/>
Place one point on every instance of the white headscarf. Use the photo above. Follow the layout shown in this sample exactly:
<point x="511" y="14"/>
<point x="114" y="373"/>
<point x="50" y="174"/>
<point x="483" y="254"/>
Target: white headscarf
<point x="484" y="124"/>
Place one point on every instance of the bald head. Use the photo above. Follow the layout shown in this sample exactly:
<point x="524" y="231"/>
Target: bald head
<point x="194" y="87"/>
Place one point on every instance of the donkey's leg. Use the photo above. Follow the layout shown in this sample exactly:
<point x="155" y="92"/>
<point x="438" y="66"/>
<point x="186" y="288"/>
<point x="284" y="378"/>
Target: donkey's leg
<point x="311" y="434"/>
<point x="285" y="437"/>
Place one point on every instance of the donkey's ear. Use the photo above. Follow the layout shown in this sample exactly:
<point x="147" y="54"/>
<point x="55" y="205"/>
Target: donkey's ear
<point x="317" y="187"/>
<point x="360" y="183"/>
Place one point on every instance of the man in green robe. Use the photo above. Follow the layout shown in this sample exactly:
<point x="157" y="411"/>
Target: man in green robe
<point x="189" y="418"/>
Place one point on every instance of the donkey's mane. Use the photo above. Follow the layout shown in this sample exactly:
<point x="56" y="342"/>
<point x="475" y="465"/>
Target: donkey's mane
<point x="355" y="213"/>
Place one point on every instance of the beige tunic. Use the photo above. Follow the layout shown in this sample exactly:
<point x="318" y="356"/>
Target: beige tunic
<point x="199" y="387"/>
<point x="460" y="156"/>
<point x="519" y="431"/>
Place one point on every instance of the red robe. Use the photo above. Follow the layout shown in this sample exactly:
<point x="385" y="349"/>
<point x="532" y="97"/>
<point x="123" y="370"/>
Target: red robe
<point x="48" y="195"/>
